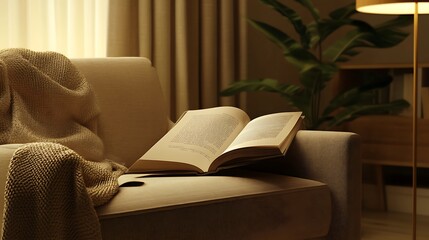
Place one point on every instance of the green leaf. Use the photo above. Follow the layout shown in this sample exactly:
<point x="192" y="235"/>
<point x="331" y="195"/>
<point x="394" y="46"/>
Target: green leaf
<point x="299" y="99"/>
<point x="266" y="84"/>
<point x="294" y="94"/>
<point x="310" y="7"/>
<point x="397" y="22"/>
<point x="343" y="12"/>
<point x="375" y="81"/>
<point x="356" y="111"/>
<point x="293" y="52"/>
<point x="383" y="36"/>
<point x="325" y="27"/>
<point x="346" y="98"/>
<point x="294" y="19"/>
<point x="320" y="72"/>
<point x="353" y="38"/>
<point x="314" y="32"/>
<point x="357" y="95"/>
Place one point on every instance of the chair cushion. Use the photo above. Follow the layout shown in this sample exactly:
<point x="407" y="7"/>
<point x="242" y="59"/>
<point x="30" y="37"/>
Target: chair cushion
<point x="240" y="204"/>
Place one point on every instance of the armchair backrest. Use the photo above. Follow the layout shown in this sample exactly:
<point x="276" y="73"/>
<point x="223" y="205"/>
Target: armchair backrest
<point x="133" y="110"/>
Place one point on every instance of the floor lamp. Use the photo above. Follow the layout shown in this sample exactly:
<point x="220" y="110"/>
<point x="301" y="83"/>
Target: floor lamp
<point x="414" y="7"/>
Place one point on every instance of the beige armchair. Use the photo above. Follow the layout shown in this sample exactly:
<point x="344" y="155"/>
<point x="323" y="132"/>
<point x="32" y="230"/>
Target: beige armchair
<point x="314" y="193"/>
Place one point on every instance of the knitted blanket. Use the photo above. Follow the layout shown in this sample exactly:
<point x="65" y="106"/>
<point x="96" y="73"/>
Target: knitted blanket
<point x="56" y="179"/>
<point x="43" y="97"/>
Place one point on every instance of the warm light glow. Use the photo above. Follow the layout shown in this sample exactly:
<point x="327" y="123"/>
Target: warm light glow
<point x="391" y="6"/>
<point x="75" y="28"/>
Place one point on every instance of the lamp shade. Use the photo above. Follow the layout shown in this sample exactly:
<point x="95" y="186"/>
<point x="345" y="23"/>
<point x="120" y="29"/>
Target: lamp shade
<point x="392" y="6"/>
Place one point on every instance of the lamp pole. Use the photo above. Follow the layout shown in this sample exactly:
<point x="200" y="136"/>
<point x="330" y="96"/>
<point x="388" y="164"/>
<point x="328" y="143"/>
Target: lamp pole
<point x="415" y="109"/>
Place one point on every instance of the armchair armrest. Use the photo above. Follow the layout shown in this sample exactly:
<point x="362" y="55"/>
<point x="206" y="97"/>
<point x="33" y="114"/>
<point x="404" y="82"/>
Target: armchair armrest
<point x="334" y="159"/>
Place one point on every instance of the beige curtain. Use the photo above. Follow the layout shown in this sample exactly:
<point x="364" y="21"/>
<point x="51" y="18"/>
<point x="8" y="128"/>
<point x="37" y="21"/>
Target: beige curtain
<point x="197" y="46"/>
<point x="75" y="28"/>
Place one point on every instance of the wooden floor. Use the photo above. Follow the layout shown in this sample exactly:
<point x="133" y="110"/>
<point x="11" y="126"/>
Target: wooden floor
<point x="378" y="225"/>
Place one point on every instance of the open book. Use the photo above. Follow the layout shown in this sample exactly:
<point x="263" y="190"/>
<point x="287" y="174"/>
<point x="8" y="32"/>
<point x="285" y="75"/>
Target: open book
<point x="206" y="140"/>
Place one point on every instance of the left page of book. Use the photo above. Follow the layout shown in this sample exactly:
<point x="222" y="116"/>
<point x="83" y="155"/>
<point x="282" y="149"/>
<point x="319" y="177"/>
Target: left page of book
<point x="196" y="140"/>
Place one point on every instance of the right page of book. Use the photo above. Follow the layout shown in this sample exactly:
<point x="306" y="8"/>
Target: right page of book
<point x="264" y="137"/>
<point x="271" y="130"/>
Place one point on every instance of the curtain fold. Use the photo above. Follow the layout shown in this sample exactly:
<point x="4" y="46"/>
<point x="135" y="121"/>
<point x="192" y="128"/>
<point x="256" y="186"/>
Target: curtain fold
<point x="75" y="28"/>
<point x="197" y="46"/>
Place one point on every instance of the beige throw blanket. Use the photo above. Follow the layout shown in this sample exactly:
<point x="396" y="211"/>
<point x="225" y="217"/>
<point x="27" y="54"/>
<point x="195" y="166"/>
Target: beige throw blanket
<point x="43" y="97"/>
<point x="51" y="188"/>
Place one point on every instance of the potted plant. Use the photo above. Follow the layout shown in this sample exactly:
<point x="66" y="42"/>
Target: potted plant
<point x="317" y="62"/>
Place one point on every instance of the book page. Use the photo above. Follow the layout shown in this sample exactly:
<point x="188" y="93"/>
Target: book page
<point x="269" y="130"/>
<point x="199" y="137"/>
